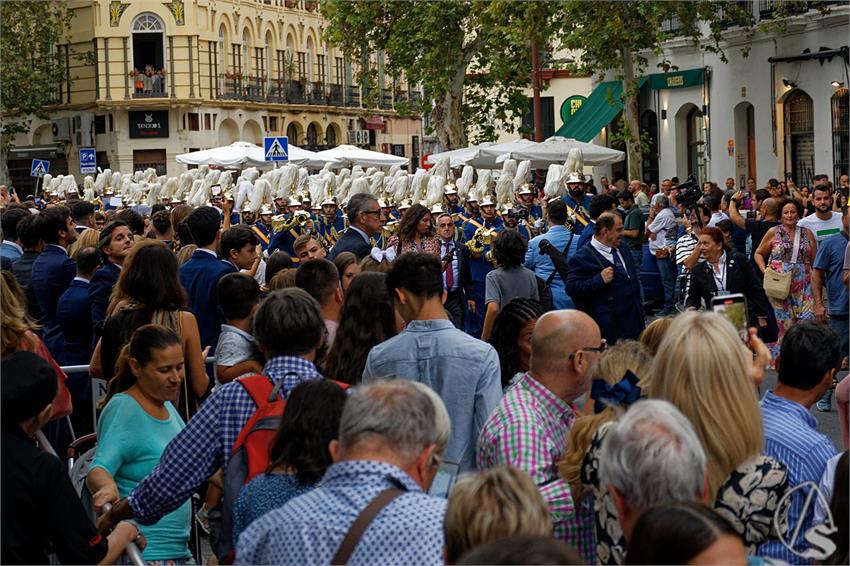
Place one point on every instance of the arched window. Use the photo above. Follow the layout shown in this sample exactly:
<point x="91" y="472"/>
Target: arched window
<point x="292" y="133"/>
<point x="330" y="136"/>
<point x="799" y="138"/>
<point x="840" y="133"/>
<point x="246" y="52"/>
<point x="696" y="144"/>
<point x="312" y="136"/>
<point x="649" y="126"/>
<point x="148" y="33"/>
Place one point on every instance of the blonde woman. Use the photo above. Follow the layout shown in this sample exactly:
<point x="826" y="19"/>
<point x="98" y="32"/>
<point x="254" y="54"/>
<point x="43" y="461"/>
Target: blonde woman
<point x="615" y="385"/>
<point x="88" y="238"/>
<point x="492" y="505"/>
<point x="704" y="369"/>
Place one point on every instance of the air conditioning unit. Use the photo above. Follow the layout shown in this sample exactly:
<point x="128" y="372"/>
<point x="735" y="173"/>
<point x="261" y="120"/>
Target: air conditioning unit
<point x="84" y="125"/>
<point x="62" y="129"/>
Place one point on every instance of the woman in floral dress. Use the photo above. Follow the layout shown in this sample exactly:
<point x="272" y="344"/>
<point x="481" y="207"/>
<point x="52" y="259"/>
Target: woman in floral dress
<point x="777" y="252"/>
<point x="415" y="233"/>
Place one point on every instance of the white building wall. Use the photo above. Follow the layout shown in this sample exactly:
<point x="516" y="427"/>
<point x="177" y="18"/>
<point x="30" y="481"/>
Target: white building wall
<point x="748" y="80"/>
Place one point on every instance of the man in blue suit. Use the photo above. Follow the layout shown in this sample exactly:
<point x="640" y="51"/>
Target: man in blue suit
<point x="74" y="311"/>
<point x="200" y="275"/>
<point x="563" y="240"/>
<point x="604" y="282"/>
<point x="74" y="316"/>
<point x="365" y="220"/>
<point x="116" y="241"/>
<point x="53" y="271"/>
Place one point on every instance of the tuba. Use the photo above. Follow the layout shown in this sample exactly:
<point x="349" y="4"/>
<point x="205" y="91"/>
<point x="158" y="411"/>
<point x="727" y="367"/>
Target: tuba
<point x="281" y="223"/>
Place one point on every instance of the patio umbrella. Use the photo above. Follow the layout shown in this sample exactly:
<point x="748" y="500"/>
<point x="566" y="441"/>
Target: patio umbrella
<point x="240" y="155"/>
<point x="459" y="157"/>
<point x="554" y="150"/>
<point x="349" y="155"/>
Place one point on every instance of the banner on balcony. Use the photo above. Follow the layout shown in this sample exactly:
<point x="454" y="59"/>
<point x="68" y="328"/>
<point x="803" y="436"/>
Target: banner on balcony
<point x="149" y="124"/>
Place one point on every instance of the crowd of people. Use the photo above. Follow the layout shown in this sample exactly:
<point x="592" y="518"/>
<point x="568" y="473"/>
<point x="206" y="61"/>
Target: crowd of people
<point x="471" y="382"/>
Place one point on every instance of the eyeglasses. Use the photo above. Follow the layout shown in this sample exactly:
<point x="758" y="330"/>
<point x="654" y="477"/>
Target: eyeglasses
<point x="603" y="345"/>
<point x="378" y="212"/>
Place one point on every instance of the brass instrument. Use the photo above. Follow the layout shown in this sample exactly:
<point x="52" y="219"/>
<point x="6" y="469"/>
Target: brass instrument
<point x="482" y="237"/>
<point x="390" y="228"/>
<point x="281" y="223"/>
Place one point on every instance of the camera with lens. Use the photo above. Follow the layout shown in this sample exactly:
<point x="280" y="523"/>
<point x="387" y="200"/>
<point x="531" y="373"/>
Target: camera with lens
<point x="689" y="193"/>
<point x="519" y="213"/>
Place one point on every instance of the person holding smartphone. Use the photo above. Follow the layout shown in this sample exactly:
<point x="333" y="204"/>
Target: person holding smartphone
<point x="724" y="272"/>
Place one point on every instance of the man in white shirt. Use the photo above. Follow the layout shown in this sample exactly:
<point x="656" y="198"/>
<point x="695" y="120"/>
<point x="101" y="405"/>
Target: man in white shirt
<point x="824" y="222"/>
<point x="661" y="228"/>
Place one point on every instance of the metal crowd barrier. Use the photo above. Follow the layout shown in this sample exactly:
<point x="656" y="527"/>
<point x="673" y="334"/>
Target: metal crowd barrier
<point x="98" y="388"/>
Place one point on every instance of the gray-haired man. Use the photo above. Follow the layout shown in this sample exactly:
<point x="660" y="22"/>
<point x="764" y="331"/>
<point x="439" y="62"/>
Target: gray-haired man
<point x="391" y="436"/>
<point x="651" y="456"/>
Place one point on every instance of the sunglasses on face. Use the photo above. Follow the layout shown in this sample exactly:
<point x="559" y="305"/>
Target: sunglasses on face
<point x="603" y="345"/>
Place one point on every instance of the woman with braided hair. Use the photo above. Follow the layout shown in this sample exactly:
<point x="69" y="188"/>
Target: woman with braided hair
<point x="511" y="336"/>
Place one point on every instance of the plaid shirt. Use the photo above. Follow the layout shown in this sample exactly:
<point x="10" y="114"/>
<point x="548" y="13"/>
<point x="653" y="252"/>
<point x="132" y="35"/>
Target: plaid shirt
<point x="205" y="444"/>
<point x="529" y="431"/>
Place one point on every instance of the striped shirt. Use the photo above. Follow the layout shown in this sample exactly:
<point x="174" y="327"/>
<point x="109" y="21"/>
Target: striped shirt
<point x="529" y="430"/>
<point x="791" y="437"/>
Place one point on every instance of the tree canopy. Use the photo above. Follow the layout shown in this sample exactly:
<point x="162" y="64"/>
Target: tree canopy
<point x="30" y="73"/>
<point x="472" y="58"/>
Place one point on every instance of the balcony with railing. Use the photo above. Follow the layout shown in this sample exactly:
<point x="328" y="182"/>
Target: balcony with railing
<point x="352" y="98"/>
<point x="386" y="99"/>
<point x="316" y="92"/>
<point x="148" y="86"/>
<point x="335" y="95"/>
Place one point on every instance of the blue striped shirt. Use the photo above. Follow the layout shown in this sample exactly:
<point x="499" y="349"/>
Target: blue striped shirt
<point x="205" y="444"/>
<point x="791" y="437"/>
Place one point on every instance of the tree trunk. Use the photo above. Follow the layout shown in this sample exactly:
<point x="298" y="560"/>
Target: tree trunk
<point x="446" y="116"/>
<point x="630" y="114"/>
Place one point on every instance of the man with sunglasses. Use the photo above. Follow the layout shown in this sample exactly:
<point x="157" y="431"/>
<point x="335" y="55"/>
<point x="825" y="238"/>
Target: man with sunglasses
<point x="529" y="428"/>
<point x="365" y="219"/>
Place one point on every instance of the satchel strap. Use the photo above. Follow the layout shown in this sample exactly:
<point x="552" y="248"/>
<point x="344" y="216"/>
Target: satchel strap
<point x="566" y="254"/>
<point x="796" y="249"/>
<point x="362" y="522"/>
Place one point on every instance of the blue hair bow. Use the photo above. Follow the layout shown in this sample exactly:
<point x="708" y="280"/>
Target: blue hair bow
<point x="624" y="392"/>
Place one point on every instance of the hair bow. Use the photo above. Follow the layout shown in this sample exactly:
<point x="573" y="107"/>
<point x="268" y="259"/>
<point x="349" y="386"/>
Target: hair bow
<point x="624" y="392"/>
<point x="380" y="255"/>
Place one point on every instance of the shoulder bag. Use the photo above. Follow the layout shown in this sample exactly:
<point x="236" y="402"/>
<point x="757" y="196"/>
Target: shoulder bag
<point x="362" y="522"/>
<point x="777" y="285"/>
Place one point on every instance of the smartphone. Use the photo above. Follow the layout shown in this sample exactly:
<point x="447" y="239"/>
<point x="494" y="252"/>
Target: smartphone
<point x="445" y="479"/>
<point x="734" y="308"/>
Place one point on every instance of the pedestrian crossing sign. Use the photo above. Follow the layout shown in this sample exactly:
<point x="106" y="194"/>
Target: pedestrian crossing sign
<point x="40" y="167"/>
<point x="276" y="148"/>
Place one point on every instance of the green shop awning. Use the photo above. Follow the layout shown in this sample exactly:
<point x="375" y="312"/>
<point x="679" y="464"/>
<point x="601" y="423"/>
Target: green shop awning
<point x="602" y="106"/>
<point x="677" y="79"/>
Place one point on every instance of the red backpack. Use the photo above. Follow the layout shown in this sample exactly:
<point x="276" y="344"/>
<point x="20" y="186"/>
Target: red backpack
<point x="250" y="454"/>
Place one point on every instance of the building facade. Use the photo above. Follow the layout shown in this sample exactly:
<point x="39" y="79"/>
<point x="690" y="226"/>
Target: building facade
<point x="781" y="112"/>
<point x="147" y="81"/>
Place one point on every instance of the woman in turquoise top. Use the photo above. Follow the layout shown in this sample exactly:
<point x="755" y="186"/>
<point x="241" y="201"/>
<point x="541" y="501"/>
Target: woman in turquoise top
<point x="134" y="429"/>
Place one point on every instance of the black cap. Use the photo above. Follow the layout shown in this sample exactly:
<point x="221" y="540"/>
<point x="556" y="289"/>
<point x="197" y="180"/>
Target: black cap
<point x="29" y="384"/>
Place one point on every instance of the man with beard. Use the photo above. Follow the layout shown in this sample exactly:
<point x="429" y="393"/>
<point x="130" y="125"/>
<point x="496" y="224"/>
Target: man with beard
<point x="247" y="215"/>
<point x="515" y="219"/>
<point x="452" y="201"/>
<point x="331" y="223"/>
<point x="280" y="206"/>
<point x="525" y="197"/>
<point x="263" y="227"/>
<point x="479" y="265"/>
<point x="824" y="222"/>
<point x="578" y="201"/>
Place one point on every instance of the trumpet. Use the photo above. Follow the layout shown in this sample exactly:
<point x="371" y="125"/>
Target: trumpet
<point x="281" y="223"/>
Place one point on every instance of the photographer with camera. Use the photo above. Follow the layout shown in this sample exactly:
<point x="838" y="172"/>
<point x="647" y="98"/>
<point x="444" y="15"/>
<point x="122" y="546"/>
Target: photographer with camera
<point x="767" y="217"/>
<point x="557" y="241"/>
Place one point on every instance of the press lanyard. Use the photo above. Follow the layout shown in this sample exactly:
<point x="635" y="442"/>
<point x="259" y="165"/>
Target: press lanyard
<point x="721" y="280"/>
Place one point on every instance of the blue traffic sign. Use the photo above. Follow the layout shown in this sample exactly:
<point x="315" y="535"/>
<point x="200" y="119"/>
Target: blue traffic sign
<point x="88" y="160"/>
<point x="276" y="148"/>
<point x="40" y="167"/>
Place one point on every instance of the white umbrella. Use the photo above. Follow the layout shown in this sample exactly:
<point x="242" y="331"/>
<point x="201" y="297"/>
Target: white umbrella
<point x="459" y="157"/>
<point x="555" y="150"/>
<point x="351" y="155"/>
<point x="485" y="157"/>
<point x="242" y="154"/>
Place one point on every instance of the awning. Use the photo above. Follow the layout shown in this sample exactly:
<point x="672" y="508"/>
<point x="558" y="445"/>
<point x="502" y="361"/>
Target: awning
<point x="677" y="79"/>
<point x="375" y="123"/>
<point x="602" y="106"/>
<point x="35" y="152"/>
